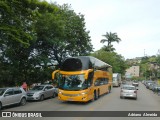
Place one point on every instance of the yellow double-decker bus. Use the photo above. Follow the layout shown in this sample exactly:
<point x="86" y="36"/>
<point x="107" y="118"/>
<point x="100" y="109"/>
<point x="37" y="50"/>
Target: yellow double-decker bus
<point x="83" y="78"/>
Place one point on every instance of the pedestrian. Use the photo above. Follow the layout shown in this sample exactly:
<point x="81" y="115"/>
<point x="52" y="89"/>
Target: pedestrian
<point x="24" y="86"/>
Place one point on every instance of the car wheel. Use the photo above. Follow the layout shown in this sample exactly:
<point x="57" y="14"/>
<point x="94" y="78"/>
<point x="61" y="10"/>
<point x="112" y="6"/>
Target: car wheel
<point x="0" y="105"/>
<point x="54" y="95"/>
<point x="23" y="101"/>
<point x="42" y="98"/>
<point x="135" y="98"/>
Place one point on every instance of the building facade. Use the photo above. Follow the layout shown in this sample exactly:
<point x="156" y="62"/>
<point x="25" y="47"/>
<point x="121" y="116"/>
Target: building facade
<point x="133" y="71"/>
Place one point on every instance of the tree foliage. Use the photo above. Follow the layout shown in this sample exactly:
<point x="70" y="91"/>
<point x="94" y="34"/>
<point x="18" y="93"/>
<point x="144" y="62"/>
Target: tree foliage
<point x="115" y="60"/>
<point x="33" y="35"/>
<point x="110" y="38"/>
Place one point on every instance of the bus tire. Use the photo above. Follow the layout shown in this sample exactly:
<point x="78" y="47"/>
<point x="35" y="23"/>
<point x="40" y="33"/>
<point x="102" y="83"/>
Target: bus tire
<point x="98" y="94"/>
<point x="94" y="96"/>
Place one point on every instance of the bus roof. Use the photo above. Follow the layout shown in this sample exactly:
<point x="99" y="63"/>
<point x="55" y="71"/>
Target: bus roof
<point x="83" y="63"/>
<point x="98" y="63"/>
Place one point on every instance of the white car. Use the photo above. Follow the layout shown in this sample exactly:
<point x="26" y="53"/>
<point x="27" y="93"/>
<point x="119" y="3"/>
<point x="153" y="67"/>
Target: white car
<point x="10" y="96"/>
<point x="128" y="91"/>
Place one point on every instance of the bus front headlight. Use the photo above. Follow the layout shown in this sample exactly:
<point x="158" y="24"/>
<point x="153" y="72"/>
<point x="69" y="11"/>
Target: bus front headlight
<point x="60" y="92"/>
<point x="84" y="93"/>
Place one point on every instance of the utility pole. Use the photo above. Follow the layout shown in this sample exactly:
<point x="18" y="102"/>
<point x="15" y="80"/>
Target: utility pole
<point x="158" y="71"/>
<point x="145" y="66"/>
<point x="158" y="53"/>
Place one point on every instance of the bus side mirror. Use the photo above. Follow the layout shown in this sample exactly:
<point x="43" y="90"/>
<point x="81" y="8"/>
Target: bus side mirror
<point x="87" y="74"/>
<point x="54" y="74"/>
<point x="55" y="77"/>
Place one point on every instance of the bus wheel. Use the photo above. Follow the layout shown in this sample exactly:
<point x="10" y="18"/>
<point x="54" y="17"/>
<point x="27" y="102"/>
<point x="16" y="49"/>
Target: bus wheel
<point x="98" y="94"/>
<point x="94" y="96"/>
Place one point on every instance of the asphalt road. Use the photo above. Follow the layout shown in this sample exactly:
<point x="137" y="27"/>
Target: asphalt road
<point x="147" y="101"/>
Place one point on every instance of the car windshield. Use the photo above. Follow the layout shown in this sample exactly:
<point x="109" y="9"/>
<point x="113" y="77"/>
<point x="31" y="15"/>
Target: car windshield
<point x="128" y="88"/>
<point x="135" y="81"/>
<point x="73" y="82"/>
<point x="38" y="88"/>
<point x="2" y="90"/>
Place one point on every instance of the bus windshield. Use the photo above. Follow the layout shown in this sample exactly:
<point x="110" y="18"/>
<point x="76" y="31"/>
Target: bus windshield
<point x="73" y="82"/>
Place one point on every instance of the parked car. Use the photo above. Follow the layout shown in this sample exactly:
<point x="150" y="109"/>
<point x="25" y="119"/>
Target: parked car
<point x="156" y="89"/>
<point x="143" y="81"/>
<point x="149" y="83"/>
<point x="124" y="82"/>
<point x="129" y="91"/>
<point x="135" y="83"/>
<point x="151" y="86"/>
<point x="40" y="92"/>
<point x="10" y="96"/>
<point x="146" y="81"/>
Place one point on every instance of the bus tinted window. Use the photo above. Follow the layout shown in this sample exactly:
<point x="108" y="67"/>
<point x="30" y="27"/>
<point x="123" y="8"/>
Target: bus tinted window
<point x="96" y="83"/>
<point x="72" y="64"/>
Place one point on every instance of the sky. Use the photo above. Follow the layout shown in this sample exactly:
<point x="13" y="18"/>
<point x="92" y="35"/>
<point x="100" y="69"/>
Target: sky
<point x="136" y="22"/>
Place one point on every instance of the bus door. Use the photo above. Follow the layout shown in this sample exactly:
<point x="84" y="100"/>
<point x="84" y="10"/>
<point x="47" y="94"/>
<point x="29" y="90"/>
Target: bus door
<point x="90" y="85"/>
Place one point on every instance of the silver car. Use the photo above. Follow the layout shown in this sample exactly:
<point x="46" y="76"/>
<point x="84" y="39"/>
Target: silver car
<point x="128" y="91"/>
<point x="40" y="92"/>
<point x="135" y="83"/>
<point x="9" y="96"/>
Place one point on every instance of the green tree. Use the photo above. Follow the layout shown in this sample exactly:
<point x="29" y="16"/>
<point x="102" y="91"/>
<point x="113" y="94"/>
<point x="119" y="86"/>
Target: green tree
<point x="18" y="41"/>
<point x="62" y="33"/>
<point x="158" y="59"/>
<point x="115" y="60"/>
<point x="16" y="36"/>
<point x="33" y="35"/>
<point x="110" y="38"/>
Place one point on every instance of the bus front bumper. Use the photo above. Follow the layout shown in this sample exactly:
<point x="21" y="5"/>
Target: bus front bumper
<point x="73" y="97"/>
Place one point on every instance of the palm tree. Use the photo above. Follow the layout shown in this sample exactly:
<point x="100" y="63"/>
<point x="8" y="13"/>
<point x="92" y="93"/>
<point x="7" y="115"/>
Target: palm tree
<point x="110" y="38"/>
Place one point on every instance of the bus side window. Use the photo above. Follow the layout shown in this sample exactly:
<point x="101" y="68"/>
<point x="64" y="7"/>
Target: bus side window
<point x="96" y="83"/>
<point x="105" y="80"/>
<point x="101" y="81"/>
